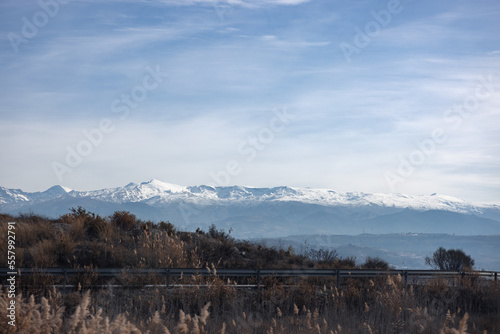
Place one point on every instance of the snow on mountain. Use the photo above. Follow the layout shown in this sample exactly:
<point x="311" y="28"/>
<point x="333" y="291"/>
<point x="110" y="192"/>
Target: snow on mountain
<point x="66" y="189"/>
<point x="157" y="193"/>
<point x="54" y="191"/>
<point x="279" y="211"/>
<point x="12" y="196"/>
<point x="418" y="202"/>
<point x="8" y="196"/>
<point x="133" y="192"/>
<point x="160" y="192"/>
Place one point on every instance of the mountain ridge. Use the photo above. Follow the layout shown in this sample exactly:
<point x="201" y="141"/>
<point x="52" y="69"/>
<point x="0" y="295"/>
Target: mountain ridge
<point x="150" y="190"/>
<point x="254" y="211"/>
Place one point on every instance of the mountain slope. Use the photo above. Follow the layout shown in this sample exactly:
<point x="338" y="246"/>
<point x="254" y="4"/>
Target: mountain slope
<point x="404" y="251"/>
<point x="432" y="221"/>
<point x="267" y="211"/>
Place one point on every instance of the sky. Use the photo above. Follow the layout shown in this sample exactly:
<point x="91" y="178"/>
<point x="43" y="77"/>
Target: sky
<point x="374" y="96"/>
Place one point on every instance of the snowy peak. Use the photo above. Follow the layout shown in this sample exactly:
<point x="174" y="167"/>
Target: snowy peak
<point x="158" y="193"/>
<point x="133" y="192"/>
<point x="51" y="193"/>
<point x="277" y="211"/>
<point x="57" y="190"/>
<point x="8" y="196"/>
<point x="160" y="186"/>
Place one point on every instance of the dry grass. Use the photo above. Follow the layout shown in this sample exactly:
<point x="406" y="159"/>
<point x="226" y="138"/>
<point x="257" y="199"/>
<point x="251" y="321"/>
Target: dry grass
<point x="390" y="309"/>
<point x="84" y="240"/>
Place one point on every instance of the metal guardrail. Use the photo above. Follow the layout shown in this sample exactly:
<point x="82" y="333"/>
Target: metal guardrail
<point x="250" y="273"/>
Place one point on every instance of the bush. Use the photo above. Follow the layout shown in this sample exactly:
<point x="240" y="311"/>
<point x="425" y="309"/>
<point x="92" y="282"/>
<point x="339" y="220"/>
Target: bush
<point x="452" y="259"/>
<point x="323" y="255"/>
<point x="94" y="225"/>
<point x="219" y="234"/>
<point x="346" y="263"/>
<point x="168" y="227"/>
<point x="375" y="263"/>
<point x="124" y="220"/>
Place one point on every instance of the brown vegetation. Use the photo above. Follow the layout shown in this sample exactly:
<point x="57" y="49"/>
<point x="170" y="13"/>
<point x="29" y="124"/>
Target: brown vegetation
<point x="81" y="239"/>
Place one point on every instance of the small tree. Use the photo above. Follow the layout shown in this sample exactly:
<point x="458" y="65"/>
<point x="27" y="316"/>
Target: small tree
<point x="94" y="225"/>
<point x="375" y="263"/>
<point x="323" y="255"/>
<point x="451" y="259"/>
<point x="124" y="220"/>
<point x="167" y="227"/>
<point x="220" y="234"/>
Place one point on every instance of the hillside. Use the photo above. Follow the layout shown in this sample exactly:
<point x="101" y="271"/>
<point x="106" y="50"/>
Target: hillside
<point x="403" y="251"/>
<point x="81" y="239"/>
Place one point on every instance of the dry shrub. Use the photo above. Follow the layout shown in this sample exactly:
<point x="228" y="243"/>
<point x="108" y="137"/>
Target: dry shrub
<point x="124" y="220"/>
<point x="168" y="227"/>
<point x="282" y="305"/>
<point x="4" y="218"/>
<point x="42" y="317"/>
<point x="97" y="228"/>
<point x="193" y="324"/>
<point x="47" y="316"/>
<point x="32" y="317"/>
<point x="3" y="243"/>
<point x="160" y="250"/>
<point x="64" y="249"/>
<point x="388" y="308"/>
<point x="28" y="233"/>
<point x="451" y="322"/>
<point x="76" y="223"/>
<point x="43" y="254"/>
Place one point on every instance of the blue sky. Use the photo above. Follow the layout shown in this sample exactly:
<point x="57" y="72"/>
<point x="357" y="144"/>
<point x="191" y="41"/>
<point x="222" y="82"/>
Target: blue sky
<point x="397" y="96"/>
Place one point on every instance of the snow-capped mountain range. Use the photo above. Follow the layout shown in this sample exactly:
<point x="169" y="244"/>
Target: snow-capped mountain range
<point x="266" y="210"/>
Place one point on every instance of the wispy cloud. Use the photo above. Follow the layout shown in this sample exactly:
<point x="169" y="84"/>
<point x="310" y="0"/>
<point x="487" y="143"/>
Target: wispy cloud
<point x="243" y="3"/>
<point x="275" y="42"/>
<point x="226" y="75"/>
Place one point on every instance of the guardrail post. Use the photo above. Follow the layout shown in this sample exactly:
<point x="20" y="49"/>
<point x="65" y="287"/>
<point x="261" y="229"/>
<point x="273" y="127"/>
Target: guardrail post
<point x="258" y="278"/>
<point x="338" y="279"/>
<point x="496" y="276"/>
<point x="168" y="278"/>
<point x="406" y="277"/>
<point x="65" y="279"/>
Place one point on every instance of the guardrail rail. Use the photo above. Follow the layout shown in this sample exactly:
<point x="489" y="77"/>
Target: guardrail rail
<point x="258" y="274"/>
